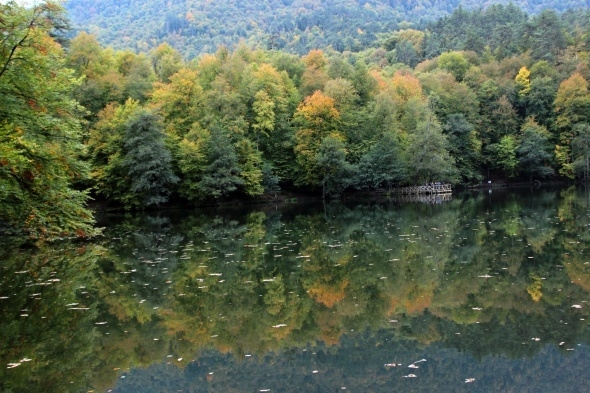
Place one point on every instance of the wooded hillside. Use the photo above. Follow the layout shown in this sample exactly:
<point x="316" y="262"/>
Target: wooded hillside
<point x="194" y="27"/>
<point x="478" y="93"/>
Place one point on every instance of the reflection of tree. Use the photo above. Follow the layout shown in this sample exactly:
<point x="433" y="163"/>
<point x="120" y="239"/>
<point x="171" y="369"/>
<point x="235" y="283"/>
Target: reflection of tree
<point x="469" y="274"/>
<point x="47" y="317"/>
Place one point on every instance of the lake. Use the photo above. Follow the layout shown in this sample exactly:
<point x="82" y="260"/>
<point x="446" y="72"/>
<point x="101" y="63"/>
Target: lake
<point x="486" y="292"/>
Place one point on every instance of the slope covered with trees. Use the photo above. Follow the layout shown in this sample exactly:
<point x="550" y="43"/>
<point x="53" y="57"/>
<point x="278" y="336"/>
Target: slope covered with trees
<point x="196" y="27"/>
<point x="424" y="106"/>
<point x="418" y="106"/>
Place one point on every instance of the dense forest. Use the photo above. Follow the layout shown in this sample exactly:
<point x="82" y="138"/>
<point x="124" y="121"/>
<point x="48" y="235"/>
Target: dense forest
<point x="477" y="94"/>
<point x="298" y="26"/>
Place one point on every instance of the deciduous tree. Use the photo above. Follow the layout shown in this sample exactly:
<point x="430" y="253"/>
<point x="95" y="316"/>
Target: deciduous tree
<point x="534" y="152"/>
<point x="40" y="133"/>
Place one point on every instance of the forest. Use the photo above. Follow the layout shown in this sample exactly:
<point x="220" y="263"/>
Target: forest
<point x="478" y="94"/>
<point x="195" y="27"/>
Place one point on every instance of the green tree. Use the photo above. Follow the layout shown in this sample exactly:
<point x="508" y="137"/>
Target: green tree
<point x="406" y="54"/>
<point x="464" y="147"/>
<point x="540" y="99"/>
<point x="581" y="150"/>
<point x="383" y="164"/>
<point x="166" y="61"/>
<point x="137" y="73"/>
<point x="503" y="154"/>
<point x="148" y="162"/>
<point x="250" y="162"/>
<point x="102" y="82"/>
<point x="534" y="152"/>
<point x="447" y="96"/>
<point x="455" y="63"/>
<point x="428" y="157"/>
<point x="106" y="150"/>
<point x="335" y="172"/>
<point x="40" y="133"/>
<point x="192" y="160"/>
<point x="544" y="36"/>
<point x="221" y="175"/>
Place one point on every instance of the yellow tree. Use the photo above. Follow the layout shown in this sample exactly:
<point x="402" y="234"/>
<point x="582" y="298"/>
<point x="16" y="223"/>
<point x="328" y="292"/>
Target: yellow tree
<point x="572" y="105"/>
<point x="523" y="79"/>
<point x="314" y="77"/>
<point x="179" y="102"/>
<point x="410" y="105"/>
<point x="272" y="91"/>
<point x="317" y="118"/>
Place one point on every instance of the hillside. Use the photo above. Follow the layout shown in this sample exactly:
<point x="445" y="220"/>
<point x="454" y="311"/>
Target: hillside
<point x="200" y="26"/>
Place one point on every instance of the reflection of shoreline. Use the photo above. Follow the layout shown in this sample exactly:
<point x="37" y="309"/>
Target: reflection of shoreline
<point x="483" y="275"/>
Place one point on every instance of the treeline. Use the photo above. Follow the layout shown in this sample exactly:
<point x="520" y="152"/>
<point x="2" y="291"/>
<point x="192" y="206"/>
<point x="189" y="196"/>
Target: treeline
<point x="246" y="122"/>
<point x="297" y="26"/>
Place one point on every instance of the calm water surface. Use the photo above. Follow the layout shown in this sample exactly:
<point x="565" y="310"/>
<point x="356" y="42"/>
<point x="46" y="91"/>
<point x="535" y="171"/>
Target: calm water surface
<point x="486" y="292"/>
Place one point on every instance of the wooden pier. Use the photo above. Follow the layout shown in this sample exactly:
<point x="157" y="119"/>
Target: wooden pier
<point x="430" y="189"/>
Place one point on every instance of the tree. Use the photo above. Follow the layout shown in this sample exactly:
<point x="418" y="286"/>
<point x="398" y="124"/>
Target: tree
<point x="383" y="164"/>
<point x="455" y="63"/>
<point x="274" y="96"/>
<point x="317" y="118"/>
<point x="40" y="133"/>
<point x="166" y="62"/>
<point x="544" y="36"/>
<point x="250" y="162"/>
<point x="534" y="152"/>
<point x="572" y="105"/>
<point x="137" y="73"/>
<point x="504" y="118"/>
<point x="192" y="160"/>
<point x="464" y="147"/>
<point x="406" y="53"/>
<point x="148" y="162"/>
<point x="581" y="150"/>
<point x="180" y="102"/>
<point x="448" y="97"/>
<point x="102" y="83"/>
<point x="540" y="99"/>
<point x="523" y="80"/>
<point x="106" y="150"/>
<point x="343" y="93"/>
<point x="428" y="157"/>
<point x="503" y="154"/>
<point x="410" y="105"/>
<point x="314" y="77"/>
<point x="221" y="175"/>
<point x="336" y="174"/>
<point x="264" y="120"/>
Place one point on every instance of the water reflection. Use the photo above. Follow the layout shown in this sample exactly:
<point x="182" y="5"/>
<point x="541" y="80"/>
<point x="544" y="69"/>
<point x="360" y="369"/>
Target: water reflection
<point x="260" y="299"/>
